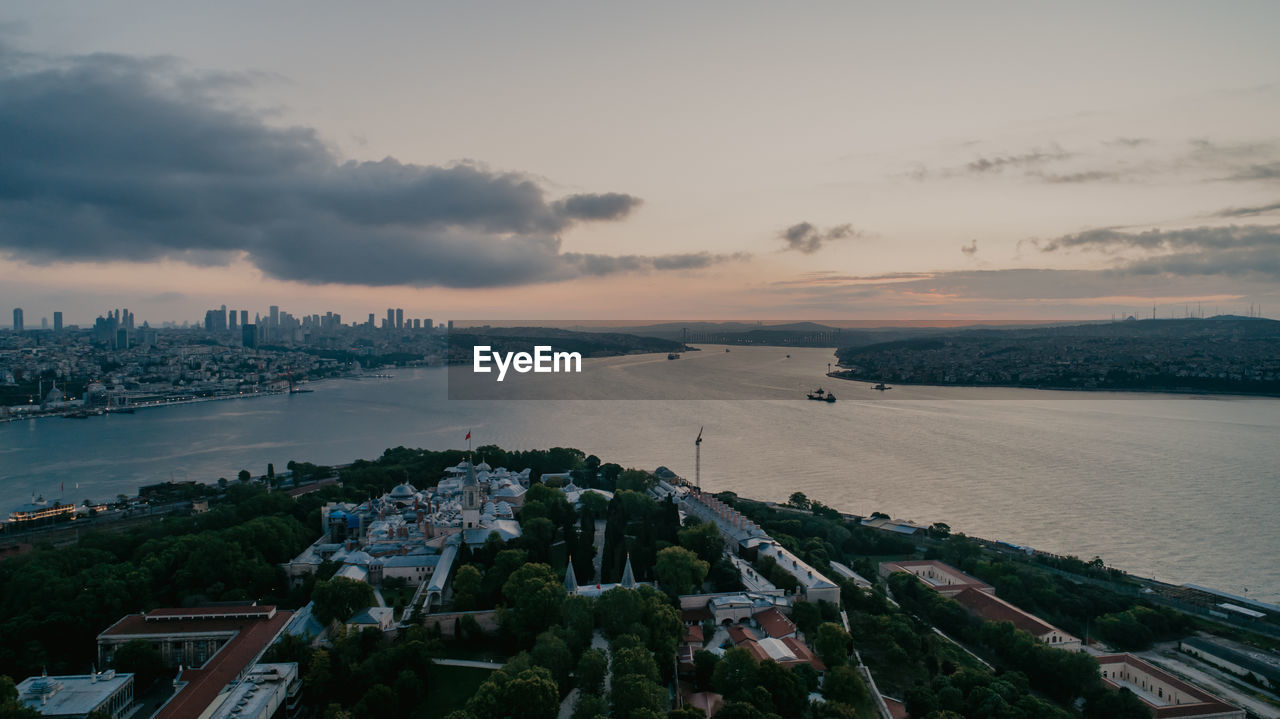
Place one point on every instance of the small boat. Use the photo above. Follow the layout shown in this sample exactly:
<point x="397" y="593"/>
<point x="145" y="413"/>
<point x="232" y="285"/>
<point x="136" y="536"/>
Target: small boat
<point x="882" y="387"/>
<point x="726" y="349"/>
<point x="821" y="395"/>
<point x="788" y="356"/>
<point x="672" y="355"/>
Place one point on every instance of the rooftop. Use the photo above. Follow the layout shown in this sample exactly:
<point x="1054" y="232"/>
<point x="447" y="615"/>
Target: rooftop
<point x="72" y="694"/>
<point x="204" y="685"/>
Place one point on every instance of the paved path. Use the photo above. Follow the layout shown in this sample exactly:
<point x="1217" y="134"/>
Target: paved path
<point x="467" y="663"/>
<point x="599" y="544"/>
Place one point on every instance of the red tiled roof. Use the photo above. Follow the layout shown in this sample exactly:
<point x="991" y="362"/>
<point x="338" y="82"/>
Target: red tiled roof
<point x="804" y="653"/>
<point x="740" y="634"/>
<point x="756" y="650"/>
<point x="994" y="609"/>
<point x="694" y="635"/>
<point x="701" y="614"/>
<point x="775" y="623"/>
<point x="897" y="709"/>
<point x="204" y="685"/>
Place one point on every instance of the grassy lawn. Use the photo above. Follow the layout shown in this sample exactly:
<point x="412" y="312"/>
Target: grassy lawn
<point x="484" y="649"/>
<point x="449" y="689"/>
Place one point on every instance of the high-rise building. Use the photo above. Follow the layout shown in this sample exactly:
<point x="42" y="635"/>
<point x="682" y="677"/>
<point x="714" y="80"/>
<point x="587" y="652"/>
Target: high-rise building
<point x="371" y="323"/>
<point x="427" y="323"/>
<point x="275" y="316"/>
<point x="17" y="319"/>
<point x="57" y="321"/>
<point x="391" y="319"/>
<point x="249" y="335"/>
<point x="399" y="319"/>
<point x="244" y="317"/>
<point x="231" y="321"/>
<point x="44" y="323"/>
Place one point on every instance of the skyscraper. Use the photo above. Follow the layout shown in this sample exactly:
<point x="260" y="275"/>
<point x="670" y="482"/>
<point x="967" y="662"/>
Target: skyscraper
<point x="275" y="316"/>
<point x="249" y="335"/>
<point x="391" y="319"/>
<point x="399" y="319"/>
<point x="57" y="321"/>
<point x="17" y="319"/>
<point x="244" y="317"/>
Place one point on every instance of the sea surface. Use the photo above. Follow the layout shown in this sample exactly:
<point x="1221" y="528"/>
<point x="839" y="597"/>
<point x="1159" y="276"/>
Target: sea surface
<point x="1179" y="488"/>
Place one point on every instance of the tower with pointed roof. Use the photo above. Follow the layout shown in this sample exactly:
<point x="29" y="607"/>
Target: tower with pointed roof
<point x="628" y="576"/>
<point x="570" y="579"/>
<point x="470" y="499"/>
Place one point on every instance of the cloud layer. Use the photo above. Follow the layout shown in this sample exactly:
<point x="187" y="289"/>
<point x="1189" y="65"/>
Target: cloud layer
<point x="118" y="158"/>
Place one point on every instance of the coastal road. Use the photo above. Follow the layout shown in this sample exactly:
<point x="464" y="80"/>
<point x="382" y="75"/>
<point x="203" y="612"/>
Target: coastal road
<point x="1212" y="680"/>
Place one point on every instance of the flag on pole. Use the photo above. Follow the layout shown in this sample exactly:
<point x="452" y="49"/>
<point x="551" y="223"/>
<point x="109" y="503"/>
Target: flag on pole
<point x="468" y="435"/>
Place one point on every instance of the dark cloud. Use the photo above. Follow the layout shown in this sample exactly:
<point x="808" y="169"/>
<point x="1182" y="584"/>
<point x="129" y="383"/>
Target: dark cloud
<point x="1077" y="177"/>
<point x="1128" y="142"/>
<point x="1195" y="251"/>
<point x="1262" y="171"/>
<point x="118" y="158"/>
<point x="608" y="206"/>
<point x="1248" y="211"/>
<point x="970" y="249"/>
<point x="808" y="238"/>
<point x="998" y="163"/>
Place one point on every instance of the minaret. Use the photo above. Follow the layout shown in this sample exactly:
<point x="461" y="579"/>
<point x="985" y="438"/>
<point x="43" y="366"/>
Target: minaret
<point x="570" y="579"/>
<point x="628" y="576"/>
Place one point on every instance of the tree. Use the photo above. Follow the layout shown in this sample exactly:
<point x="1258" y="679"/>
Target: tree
<point x="466" y="588"/>
<point x="842" y="684"/>
<point x="798" y="500"/>
<point x="704" y="667"/>
<point x="337" y="599"/>
<point x="680" y="571"/>
<point x="244" y="475"/>
<point x="785" y="690"/>
<point x="139" y="658"/>
<point x="735" y="674"/>
<point x="591" y="671"/>
<point x="704" y="540"/>
<point x="535" y="597"/>
<point x="636" y="480"/>
<point x="832" y="643"/>
<point x="271" y="471"/>
<point x="633" y="693"/>
<point x="590" y="706"/>
<point x="806" y="616"/>
<point x="552" y="653"/>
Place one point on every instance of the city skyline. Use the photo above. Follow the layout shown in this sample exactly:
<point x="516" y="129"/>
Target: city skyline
<point x="992" y="161"/>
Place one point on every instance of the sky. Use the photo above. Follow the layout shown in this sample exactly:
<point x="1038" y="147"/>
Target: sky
<point x="715" y="160"/>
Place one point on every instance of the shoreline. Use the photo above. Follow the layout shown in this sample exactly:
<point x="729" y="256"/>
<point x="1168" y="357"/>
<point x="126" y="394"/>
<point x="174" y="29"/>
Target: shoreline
<point x="1047" y="388"/>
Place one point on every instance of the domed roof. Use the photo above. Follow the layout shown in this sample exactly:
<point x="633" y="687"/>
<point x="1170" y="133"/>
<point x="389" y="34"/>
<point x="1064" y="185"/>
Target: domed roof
<point x="403" y="491"/>
<point x="483" y="466"/>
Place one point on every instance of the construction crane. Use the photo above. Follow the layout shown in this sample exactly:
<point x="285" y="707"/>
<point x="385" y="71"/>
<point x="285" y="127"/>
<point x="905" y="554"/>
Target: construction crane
<point x="697" y="460"/>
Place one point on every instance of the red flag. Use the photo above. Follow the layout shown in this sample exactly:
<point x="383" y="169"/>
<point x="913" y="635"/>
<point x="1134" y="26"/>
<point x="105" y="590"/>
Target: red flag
<point x="468" y="435"/>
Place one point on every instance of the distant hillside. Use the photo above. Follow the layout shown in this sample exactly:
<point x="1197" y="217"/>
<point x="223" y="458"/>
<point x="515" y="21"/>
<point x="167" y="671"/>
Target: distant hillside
<point x="524" y="339"/>
<point x="1220" y="354"/>
<point x="790" y="334"/>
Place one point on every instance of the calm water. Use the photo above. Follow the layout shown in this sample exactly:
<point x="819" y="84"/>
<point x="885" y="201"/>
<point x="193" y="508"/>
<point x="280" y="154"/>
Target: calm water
<point x="1182" y="489"/>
